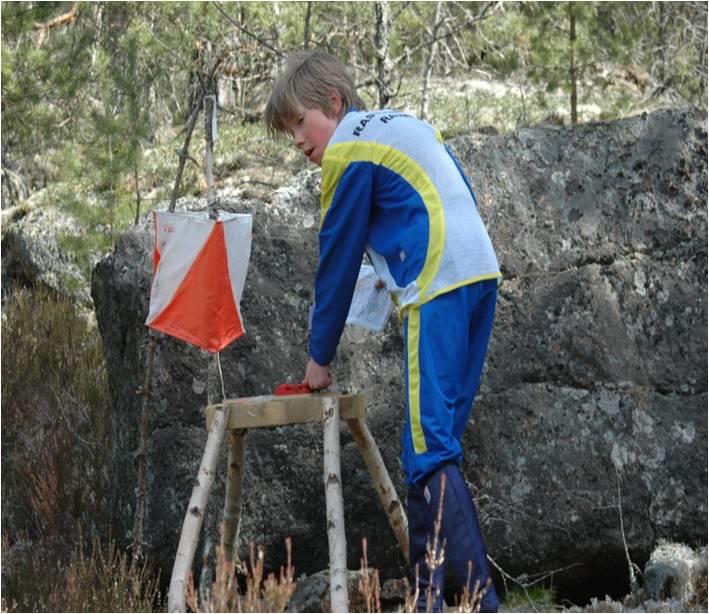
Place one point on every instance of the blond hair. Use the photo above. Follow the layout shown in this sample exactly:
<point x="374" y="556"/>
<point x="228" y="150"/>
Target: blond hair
<point x="308" y="81"/>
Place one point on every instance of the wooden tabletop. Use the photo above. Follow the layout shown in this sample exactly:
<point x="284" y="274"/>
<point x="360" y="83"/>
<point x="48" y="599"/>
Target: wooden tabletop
<point x="268" y="411"/>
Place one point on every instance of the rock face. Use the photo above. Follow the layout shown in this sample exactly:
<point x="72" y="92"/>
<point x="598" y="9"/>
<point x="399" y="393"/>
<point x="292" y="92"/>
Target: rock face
<point x="32" y="255"/>
<point x="595" y="393"/>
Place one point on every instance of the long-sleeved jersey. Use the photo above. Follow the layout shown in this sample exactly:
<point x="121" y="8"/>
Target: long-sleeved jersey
<point x="391" y="187"/>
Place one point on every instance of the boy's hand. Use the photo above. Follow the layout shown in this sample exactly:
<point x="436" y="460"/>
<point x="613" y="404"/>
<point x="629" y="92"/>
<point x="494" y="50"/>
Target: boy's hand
<point x="317" y="376"/>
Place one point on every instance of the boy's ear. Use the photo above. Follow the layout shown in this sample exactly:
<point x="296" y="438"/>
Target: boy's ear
<point x="336" y="104"/>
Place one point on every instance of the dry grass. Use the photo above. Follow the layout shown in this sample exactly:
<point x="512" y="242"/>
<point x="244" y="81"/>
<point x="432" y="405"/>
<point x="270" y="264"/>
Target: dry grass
<point x="368" y="585"/>
<point x="106" y="580"/>
<point x="260" y="595"/>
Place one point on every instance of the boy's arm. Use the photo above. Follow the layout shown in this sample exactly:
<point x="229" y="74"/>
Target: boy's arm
<point x="343" y="237"/>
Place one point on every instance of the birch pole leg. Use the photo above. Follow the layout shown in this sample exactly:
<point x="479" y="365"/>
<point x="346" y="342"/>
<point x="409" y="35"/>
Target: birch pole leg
<point x="382" y="483"/>
<point x="335" y="508"/>
<point x="232" y="501"/>
<point x="195" y="514"/>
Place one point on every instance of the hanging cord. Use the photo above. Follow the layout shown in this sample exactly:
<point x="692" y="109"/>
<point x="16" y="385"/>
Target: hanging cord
<point x="221" y="377"/>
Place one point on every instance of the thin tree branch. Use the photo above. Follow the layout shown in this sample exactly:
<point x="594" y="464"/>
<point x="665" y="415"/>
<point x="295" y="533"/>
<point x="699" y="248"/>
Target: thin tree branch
<point x="65" y="19"/>
<point x="521" y="580"/>
<point x="278" y="52"/>
<point x="631" y="565"/>
<point x="184" y="152"/>
<point x="429" y="41"/>
<point x="404" y="6"/>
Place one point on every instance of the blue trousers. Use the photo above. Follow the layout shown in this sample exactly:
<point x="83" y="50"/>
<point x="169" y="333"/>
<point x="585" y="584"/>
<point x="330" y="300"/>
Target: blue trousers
<point x="446" y="341"/>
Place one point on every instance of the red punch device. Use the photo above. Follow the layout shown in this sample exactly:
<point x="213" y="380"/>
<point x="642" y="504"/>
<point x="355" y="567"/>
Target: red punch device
<point x="288" y="389"/>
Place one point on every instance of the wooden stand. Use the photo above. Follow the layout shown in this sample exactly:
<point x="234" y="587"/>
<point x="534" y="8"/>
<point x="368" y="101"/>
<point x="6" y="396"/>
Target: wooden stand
<point x="267" y="411"/>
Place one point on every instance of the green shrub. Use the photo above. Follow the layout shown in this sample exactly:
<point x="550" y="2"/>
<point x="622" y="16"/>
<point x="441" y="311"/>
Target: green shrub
<point x="539" y="598"/>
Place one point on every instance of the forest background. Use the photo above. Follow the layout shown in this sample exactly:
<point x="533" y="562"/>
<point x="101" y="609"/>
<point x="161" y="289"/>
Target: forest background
<point x="97" y="101"/>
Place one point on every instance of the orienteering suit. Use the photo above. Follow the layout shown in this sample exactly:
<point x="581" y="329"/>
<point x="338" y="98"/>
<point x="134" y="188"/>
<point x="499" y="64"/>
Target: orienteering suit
<point x="391" y="187"/>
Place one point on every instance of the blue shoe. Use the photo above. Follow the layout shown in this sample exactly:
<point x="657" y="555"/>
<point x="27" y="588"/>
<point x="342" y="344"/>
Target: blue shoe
<point x="421" y="531"/>
<point x="461" y="531"/>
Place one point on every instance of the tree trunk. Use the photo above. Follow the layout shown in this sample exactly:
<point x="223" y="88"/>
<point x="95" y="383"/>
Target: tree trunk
<point x="352" y="50"/>
<point x="306" y="27"/>
<point x="277" y="27"/>
<point x="662" y="18"/>
<point x="381" y="43"/>
<point x="573" y="76"/>
<point x="137" y="195"/>
<point x="210" y="110"/>
<point x="703" y="48"/>
<point x="428" y="66"/>
<point x="184" y="152"/>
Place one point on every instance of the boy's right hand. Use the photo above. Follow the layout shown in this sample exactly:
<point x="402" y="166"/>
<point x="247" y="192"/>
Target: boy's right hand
<point x="317" y="376"/>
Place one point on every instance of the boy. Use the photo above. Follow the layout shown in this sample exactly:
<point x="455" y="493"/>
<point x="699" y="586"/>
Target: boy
<point x="391" y="188"/>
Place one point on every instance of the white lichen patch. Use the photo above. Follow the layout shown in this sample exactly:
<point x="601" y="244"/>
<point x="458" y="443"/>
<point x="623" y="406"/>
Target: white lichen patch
<point x="198" y="386"/>
<point x="654" y="459"/>
<point x="521" y="487"/>
<point x="642" y="423"/>
<point x="684" y="432"/>
<point x="639" y="282"/>
<point x="622" y="456"/>
<point x="609" y="403"/>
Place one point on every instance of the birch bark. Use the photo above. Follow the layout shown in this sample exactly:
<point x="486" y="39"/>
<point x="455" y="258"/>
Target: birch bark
<point x="382" y="483"/>
<point x="232" y="503"/>
<point x="335" y="508"/>
<point x="195" y="514"/>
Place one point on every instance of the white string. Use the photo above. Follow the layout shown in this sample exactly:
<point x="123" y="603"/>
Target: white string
<point x="221" y="377"/>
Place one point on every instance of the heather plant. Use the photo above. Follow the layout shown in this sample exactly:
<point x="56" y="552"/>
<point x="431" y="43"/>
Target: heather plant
<point x="258" y="594"/>
<point x="55" y="440"/>
<point x="104" y="580"/>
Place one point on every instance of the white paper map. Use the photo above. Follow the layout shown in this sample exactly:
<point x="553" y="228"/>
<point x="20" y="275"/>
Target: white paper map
<point x="371" y="306"/>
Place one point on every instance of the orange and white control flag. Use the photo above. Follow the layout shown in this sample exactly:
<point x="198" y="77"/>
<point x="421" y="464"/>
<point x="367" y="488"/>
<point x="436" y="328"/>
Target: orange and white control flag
<point x="199" y="270"/>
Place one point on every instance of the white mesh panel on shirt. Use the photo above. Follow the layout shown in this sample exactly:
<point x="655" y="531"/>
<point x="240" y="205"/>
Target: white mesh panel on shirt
<point x="467" y="252"/>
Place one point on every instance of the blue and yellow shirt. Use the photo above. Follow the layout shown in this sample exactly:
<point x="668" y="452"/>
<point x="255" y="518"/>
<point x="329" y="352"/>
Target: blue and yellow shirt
<point x="391" y="187"/>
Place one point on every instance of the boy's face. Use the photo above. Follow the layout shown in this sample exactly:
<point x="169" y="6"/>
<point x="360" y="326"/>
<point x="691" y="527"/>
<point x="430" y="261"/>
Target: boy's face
<point x="312" y="129"/>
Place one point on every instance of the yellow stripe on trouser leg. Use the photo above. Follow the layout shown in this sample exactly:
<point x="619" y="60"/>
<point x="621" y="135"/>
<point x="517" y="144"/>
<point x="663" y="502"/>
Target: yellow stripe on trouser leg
<point x="412" y="360"/>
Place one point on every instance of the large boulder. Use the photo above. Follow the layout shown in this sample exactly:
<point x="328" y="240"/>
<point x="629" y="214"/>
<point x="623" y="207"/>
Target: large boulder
<point x="593" y="405"/>
<point x="675" y="571"/>
<point x="33" y="255"/>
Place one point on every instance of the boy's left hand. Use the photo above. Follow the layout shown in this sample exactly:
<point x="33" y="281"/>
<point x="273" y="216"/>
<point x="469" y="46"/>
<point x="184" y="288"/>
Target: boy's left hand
<point x="317" y="376"/>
